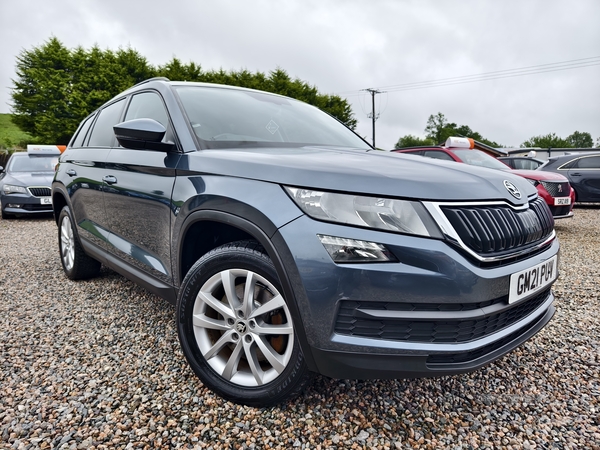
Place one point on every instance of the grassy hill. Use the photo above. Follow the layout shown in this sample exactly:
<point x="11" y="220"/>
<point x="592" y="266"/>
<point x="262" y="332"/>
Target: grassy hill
<point x="10" y="135"/>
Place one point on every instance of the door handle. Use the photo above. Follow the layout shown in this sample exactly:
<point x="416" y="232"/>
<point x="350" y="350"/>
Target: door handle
<point x="109" y="179"/>
<point x="71" y="172"/>
<point x="576" y="174"/>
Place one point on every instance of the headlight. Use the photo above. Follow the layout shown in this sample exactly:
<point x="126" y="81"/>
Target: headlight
<point x="9" y="189"/>
<point x="400" y="216"/>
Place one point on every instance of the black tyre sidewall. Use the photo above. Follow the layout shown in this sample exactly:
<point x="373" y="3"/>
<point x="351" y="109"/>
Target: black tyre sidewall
<point x="286" y="385"/>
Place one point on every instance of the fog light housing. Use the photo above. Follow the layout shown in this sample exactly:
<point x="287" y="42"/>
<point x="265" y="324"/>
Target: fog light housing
<point x="344" y="250"/>
<point x="13" y="205"/>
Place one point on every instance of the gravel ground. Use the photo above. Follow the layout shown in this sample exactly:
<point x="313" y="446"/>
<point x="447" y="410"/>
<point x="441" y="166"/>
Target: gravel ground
<point x="97" y="364"/>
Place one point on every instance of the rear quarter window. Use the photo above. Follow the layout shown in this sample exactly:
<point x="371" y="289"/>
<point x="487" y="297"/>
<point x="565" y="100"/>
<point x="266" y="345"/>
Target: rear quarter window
<point x="82" y="133"/>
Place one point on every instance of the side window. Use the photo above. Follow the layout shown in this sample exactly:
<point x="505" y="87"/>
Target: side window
<point x="418" y="152"/>
<point x="102" y="133"/>
<point x="593" y="162"/>
<point x="526" y="164"/>
<point x="82" y="133"/>
<point x="436" y="154"/>
<point x="147" y="105"/>
<point x="569" y="165"/>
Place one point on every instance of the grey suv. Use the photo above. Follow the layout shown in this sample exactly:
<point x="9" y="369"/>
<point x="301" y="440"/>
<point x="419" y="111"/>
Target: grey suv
<point x="290" y="246"/>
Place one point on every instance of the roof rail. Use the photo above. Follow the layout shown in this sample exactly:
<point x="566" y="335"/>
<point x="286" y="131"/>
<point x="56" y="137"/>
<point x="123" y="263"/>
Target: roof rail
<point x="151" y="79"/>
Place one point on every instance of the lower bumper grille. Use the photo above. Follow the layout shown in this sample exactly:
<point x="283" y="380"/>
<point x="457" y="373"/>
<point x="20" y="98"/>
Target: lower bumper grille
<point x="351" y="322"/>
<point x="558" y="211"/>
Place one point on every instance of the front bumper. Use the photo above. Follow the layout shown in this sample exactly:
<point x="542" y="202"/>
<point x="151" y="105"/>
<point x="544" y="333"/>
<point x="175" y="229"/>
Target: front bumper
<point x="432" y="313"/>
<point x="19" y="204"/>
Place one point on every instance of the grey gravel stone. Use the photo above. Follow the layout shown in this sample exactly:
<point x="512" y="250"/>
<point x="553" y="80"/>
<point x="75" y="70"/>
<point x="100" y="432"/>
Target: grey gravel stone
<point x="96" y="365"/>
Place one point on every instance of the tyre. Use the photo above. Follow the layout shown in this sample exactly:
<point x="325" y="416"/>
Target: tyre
<point x="76" y="264"/>
<point x="236" y="330"/>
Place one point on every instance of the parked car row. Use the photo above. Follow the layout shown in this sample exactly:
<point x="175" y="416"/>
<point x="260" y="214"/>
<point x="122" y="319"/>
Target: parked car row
<point x="582" y="171"/>
<point x="552" y="187"/>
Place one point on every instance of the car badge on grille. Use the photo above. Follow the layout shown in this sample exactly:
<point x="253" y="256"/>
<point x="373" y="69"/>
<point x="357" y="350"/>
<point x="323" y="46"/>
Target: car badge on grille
<point x="560" y="188"/>
<point x="512" y="189"/>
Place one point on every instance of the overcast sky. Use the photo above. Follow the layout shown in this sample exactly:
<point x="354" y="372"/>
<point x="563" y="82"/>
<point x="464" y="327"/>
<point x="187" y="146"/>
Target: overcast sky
<point x="343" y="46"/>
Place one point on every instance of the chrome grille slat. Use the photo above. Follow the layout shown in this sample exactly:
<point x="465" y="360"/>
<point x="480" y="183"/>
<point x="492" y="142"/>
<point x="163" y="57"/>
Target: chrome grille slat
<point x="495" y="229"/>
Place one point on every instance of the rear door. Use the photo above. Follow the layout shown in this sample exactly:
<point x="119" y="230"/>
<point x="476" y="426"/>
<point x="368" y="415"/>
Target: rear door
<point x="84" y="168"/>
<point x="138" y="195"/>
<point x="584" y="175"/>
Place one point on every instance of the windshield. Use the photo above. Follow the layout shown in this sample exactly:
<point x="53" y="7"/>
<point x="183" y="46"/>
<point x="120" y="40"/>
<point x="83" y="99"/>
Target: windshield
<point x="225" y="118"/>
<point x="33" y="163"/>
<point x="479" y="158"/>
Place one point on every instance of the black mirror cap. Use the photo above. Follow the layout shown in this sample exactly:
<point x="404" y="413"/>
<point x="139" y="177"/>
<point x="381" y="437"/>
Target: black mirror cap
<point x="142" y="134"/>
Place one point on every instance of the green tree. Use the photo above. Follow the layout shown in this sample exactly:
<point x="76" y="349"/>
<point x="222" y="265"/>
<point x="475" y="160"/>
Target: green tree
<point x="438" y="129"/>
<point x="41" y="91"/>
<point x="581" y="140"/>
<point x="435" y="127"/>
<point x="546" y="141"/>
<point x="413" y="141"/>
<point x="56" y="88"/>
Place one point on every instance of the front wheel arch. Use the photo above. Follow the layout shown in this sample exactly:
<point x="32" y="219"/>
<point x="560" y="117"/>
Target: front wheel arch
<point x="252" y="232"/>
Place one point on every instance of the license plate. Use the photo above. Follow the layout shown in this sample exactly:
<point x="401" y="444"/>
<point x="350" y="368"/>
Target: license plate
<point x="46" y="200"/>
<point x="562" y="201"/>
<point x="529" y="281"/>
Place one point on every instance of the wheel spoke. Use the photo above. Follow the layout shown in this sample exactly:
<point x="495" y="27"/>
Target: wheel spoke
<point x="217" y="305"/>
<point x="252" y="358"/>
<point x="273" y="304"/>
<point x="267" y="329"/>
<point x="233" y="361"/>
<point x="225" y="339"/>
<point x="248" y="301"/>
<point x="228" y="280"/>
<point x="272" y="356"/>
<point x="203" y="321"/>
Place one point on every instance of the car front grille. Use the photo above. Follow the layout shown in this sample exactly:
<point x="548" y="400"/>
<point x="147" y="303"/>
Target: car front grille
<point x="497" y="230"/>
<point x="557" y="189"/>
<point x="351" y="322"/>
<point x="40" y="191"/>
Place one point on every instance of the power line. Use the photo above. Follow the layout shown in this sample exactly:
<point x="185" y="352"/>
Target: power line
<point x="507" y="73"/>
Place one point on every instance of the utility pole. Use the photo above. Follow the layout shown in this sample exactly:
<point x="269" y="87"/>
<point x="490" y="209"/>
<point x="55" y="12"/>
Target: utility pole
<point x="373" y="116"/>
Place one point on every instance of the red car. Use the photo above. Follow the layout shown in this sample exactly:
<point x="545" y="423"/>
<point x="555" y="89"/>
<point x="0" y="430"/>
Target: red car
<point x="552" y="187"/>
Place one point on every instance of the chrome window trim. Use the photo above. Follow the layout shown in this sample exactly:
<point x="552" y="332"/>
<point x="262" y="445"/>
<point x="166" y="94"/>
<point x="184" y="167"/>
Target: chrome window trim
<point x="562" y="167"/>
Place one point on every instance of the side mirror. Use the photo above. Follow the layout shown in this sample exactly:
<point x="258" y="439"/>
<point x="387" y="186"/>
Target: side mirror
<point x="142" y="134"/>
<point x="1" y="169"/>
